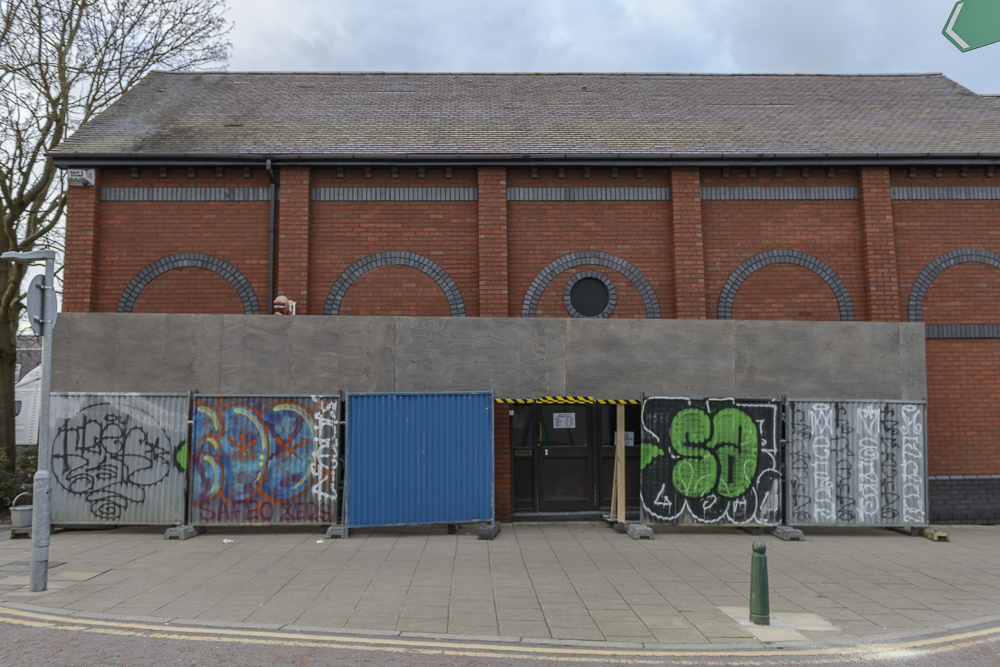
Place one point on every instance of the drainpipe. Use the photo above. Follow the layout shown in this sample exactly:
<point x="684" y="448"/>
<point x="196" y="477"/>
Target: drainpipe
<point x="270" y="242"/>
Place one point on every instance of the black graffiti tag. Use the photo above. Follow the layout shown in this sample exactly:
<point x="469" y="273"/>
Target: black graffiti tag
<point x="109" y="459"/>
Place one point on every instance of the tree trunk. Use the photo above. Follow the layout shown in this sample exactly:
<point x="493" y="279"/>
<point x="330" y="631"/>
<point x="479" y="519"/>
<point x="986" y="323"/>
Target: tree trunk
<point x="8" y="356"/>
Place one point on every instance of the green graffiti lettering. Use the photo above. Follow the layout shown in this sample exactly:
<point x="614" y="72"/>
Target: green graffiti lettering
<point x="647" y="453"/>
<point x="717" y="453"/>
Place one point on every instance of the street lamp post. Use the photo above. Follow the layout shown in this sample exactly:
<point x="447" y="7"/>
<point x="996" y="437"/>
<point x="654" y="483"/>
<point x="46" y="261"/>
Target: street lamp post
<point x="41" y="493"/>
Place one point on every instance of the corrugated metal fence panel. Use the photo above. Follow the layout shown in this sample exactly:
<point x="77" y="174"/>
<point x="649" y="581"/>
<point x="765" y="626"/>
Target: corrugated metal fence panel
<point x="711" y="461"/>
<point x="118" y="458"/>
<point x="856" y="463"/>
<point x="264" y="460"/>
<point x="419" y="459"/>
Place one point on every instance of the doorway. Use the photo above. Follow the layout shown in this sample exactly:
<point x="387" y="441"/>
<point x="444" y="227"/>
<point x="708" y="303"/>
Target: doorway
<point x="563" y="458"/>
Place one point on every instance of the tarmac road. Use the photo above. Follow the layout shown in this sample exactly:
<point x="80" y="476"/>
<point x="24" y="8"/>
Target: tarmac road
<point x="28" y="638"/>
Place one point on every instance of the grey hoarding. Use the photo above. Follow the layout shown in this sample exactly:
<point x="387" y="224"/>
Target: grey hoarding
<point x="856" y="463"/>
<point x="710" y="461"/>
<point x="118" y="458"/>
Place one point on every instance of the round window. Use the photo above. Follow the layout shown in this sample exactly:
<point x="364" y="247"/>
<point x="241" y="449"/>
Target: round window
<point x="589" y="294"/>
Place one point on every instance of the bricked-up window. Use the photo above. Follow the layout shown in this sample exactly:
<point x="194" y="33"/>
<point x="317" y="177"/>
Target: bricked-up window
<point x="589" y="297"/>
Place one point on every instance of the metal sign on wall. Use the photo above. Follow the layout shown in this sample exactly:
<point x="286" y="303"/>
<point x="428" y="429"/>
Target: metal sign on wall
<point x="118" y="458"/>
<point x="856" y="463"/>
<point x="711" y="461"/>
<point x="262" y="460"/>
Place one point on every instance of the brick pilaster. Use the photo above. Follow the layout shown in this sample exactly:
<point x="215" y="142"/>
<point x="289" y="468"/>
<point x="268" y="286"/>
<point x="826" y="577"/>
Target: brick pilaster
<point x="501" y="462"/>
<point x="689" y="249"/>
<point x="493" y="294"/>
<point x="881" y="278"/>
<point x="292" y="246"/>
<point x="83" y="205"/>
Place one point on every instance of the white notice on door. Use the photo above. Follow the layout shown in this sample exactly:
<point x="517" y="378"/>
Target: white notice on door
<point x="629" y="438"/>
<point x="564" y="420"/>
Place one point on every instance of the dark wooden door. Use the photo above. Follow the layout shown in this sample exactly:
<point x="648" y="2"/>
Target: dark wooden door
<point x="564" y="462"/>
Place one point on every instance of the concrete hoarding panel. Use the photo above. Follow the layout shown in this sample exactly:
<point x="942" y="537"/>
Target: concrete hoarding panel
<point x="118" y="458"/>
<point x="515" y="357"/>
<point x="264" y="460"/>
<point x="856" y="463"/>
<point x="713" y="461"/>
<point x="856" y="360"/>
<point x="621" y="359"/>
<point x="105" y="352"/>
<point x="306" y="354"/>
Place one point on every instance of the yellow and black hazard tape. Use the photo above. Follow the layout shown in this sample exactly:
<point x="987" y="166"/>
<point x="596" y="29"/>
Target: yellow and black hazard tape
<point x="567" y="400"/>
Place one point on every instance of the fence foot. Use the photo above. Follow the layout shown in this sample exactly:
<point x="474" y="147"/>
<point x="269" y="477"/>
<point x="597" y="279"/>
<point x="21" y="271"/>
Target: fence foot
<point x="787" y="533"/>
<point x="182" y="532"/>
<point x="489" y="531"/>
<point x="621" y="527"/>
<point x="638" y="531"/>
<point x="934" y="534"/>
<point x="336" y="531"/>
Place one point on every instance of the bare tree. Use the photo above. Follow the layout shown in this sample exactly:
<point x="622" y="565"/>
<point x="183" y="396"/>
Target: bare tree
<point x="62" y="62"/>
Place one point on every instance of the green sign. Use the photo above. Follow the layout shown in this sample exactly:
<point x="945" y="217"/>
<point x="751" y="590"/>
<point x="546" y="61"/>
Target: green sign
<point x="973" y="23"/>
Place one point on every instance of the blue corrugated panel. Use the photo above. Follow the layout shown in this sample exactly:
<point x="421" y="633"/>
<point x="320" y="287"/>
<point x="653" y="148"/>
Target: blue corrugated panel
<point x="419" y="459"/>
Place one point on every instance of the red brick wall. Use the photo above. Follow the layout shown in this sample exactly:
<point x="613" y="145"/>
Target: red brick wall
<point x="963" y="382"/>
<point x="395" y="290"/>
<point x="189" y="290"/>
<point x="83" y="205"/>
<point x="135" y="234"/>
<point x="829" y="230"/>
<point x="636" y="231"/>
<point x="493" y="249"/>
<point x="785" y="292"/>
<point x="341" y="233"/>
<point x="501" y="462"/>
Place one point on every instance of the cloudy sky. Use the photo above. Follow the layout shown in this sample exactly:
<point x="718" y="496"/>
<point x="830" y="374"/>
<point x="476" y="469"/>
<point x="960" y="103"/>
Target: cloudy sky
<point x="755" y="36"/>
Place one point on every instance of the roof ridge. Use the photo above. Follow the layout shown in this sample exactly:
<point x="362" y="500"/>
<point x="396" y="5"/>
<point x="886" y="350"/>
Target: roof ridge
<point x="635" y="74"/>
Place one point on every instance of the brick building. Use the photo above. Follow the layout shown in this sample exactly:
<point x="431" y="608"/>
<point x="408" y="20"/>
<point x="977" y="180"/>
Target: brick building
<point x="811" y="198"/>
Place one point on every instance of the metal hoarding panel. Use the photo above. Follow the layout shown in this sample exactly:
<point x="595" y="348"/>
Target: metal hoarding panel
<point x="118" y="458"/>
<point x="419" y="459"/>
<point x="264" y="460"/>
<point x="710" y="461"/>
<point x="856" y="463"/>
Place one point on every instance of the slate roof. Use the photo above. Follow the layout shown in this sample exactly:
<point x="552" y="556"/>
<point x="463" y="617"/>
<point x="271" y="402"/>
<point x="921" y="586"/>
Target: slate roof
<point x="503" y="116"/>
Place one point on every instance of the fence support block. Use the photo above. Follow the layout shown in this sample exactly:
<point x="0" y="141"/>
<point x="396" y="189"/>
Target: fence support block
<point x="489" y="531"/>
<point x="336" y="531"/>
<point x="787" y="533"/>
<point x="182" y="532"/>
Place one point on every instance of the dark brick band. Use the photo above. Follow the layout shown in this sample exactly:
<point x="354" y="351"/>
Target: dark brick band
<point x="395" y="258"/>
<point x="530" y="305"/>
<point x="190" y="260"/>
<point x="964" y="498"/>
<point x="759" y="261"/>
<point x="932" y="271"/>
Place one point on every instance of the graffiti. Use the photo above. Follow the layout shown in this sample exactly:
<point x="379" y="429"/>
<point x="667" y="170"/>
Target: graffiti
<point x="712" y="461"/>
<point x="110" y="453"/>
<point x="855" y="463"/>
<point x="265" y="460"/>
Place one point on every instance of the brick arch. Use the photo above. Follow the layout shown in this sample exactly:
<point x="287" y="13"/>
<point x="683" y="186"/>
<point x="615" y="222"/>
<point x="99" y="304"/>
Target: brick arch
<point x="767" y="258"/>
<point x="397" y="258"/>
<point x="936" y="267"/>
<point x="190" y="260"/>
<point x="593" y="258"/>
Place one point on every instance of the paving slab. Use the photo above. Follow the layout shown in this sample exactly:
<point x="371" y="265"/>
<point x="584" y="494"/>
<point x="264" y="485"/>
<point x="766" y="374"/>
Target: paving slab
<point x="574" y="582"/>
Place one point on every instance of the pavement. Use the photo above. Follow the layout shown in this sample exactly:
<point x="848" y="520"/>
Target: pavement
<point x="576" y="584"/>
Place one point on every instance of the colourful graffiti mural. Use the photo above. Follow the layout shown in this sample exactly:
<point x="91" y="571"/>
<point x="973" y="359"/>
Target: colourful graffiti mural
<point x="711" y="461"/>
<point x="264" y="460"/>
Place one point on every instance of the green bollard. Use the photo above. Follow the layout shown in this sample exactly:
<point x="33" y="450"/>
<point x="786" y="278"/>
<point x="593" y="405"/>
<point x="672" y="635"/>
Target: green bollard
<point x="760" y="603"/>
